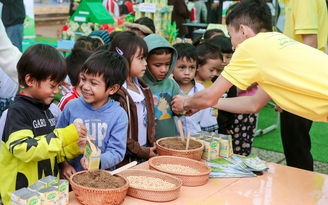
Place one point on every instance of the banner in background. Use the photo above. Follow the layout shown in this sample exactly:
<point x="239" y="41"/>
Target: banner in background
<point x="29" y="23"/>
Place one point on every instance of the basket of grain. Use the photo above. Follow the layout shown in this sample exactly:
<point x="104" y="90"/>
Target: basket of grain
<point x="174" y="146"/>
<point x="191" y="172"/>
<point x="152" y="185"/>
<point x="99" y="187"/>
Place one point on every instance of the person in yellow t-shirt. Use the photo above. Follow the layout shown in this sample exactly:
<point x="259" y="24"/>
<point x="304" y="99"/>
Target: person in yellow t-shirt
<point x="306" y="22"/>
<point x="290" y="73"/>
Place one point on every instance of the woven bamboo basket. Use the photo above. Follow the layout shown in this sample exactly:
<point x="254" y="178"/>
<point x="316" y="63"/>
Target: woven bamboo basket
<point x="195" y="154"/>
<point x="94" y="196"/>
<point x="155" y="195"/>
<point x="187" y="179"/>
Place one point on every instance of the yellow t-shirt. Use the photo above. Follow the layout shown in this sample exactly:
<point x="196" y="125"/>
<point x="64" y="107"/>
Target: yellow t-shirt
<point x="293" y="74"/>
<point x="306" y="17"/>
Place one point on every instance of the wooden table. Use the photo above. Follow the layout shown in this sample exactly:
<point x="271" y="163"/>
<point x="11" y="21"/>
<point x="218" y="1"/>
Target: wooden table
<point x="280" y="185"/>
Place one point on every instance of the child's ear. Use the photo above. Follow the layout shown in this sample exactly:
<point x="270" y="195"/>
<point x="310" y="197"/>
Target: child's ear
<point x="113" y="89"/>
<point x="28" y="80"/>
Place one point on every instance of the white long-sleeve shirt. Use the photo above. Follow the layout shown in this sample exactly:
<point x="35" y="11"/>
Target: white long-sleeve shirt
<point x="9" y="54"/>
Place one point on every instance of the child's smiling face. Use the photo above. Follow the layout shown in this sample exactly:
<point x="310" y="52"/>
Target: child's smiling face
<point x="44" y="90"/>
<point x="94" y="91"/>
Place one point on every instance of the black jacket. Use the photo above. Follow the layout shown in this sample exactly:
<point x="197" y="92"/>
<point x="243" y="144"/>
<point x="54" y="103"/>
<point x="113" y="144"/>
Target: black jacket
<point x="13" y="12"/>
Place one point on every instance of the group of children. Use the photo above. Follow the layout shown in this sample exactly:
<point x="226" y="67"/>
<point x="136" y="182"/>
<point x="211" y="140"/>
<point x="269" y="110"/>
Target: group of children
<point x="122" y="92"/>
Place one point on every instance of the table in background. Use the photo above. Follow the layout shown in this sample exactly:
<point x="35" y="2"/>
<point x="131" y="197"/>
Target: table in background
<point x="278" y="186"/>
<point x="196" y="25"/>
<point x="65" y="52"/>
<point x="196" y="28"/>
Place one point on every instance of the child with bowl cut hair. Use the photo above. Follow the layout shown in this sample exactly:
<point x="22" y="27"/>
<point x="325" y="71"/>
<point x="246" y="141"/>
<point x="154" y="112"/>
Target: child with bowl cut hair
<point x="31" y="146"/>
<point x="102" y="75"/>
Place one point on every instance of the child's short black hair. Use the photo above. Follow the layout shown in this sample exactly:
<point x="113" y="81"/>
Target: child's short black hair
<point x="113" y="34"/>
<point x="86" y="42"/>
<point x="186" y="50"/>
<point x="128" y="42"/>
<point x="161" y="51"/>
<point x="41" y="61"/>
<point x="210" y="32"/>
<point x="208" y="50"/>
<point x="224" y="43"/>
<point x="145" y="21"/>
<point x="74" y="63"/>
<point x="253" y="13"/>
<point x="207" y="35"/>
<point x="110" y="64"/>
<point x="103" y="47"/>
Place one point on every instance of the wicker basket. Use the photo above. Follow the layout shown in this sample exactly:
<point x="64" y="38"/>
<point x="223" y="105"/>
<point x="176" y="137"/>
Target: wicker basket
<point x="156" y="195"/>
<point x="195" y="154"/>
<point x="187" y="179"/>
<point x="94" y="196"/>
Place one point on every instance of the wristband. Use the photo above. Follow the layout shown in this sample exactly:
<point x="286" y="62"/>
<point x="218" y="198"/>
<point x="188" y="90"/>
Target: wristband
<point x="183" y="102"/>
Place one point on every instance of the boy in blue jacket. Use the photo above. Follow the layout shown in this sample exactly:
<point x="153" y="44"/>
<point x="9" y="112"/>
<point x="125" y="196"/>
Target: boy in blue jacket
<point x="102" y="75"/>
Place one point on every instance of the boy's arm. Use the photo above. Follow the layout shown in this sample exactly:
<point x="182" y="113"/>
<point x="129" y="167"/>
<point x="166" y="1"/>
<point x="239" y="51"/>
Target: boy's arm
<point x="244" y="104"/>
<point x="175" y="91"/>
<point x="133" y="148"/>
<point x="26" y="147"/>
<point x="310" y="40"/>
<point x="116" y="144"/>
<point x="203" y="99"/>
<point x="70" y="149"/>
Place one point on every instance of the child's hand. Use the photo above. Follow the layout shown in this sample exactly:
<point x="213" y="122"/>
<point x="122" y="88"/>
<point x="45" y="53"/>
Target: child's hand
<point x="230" y="131"/>
<point x="277" y="109"/>
<point x="66" y="87"/>
<point x="152" y="151"/>
<point x="67" y="170"/>
<point x="81" y="144"/>
<point x="191" y="112"/>
<point x="84" y="163"/>
<point x="176" y="104"/>
<point x="80" y="128"/>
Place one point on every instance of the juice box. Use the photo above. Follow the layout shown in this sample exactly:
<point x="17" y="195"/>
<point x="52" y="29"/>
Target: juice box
<point x="37" y="186"/>
<point x="226" y="146"/>
<point x="62" y="187"/>
<point x="15" y="195"/>
<point x="212" y="148"/>
<point x="49" y="195"/>
<point x="92" y="155"/>
<point x="49" y="180"/>
<point x="32" y="198"/>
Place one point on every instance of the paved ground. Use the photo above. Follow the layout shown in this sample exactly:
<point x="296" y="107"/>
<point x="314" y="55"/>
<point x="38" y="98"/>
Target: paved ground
<point x="279" y="158"/>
